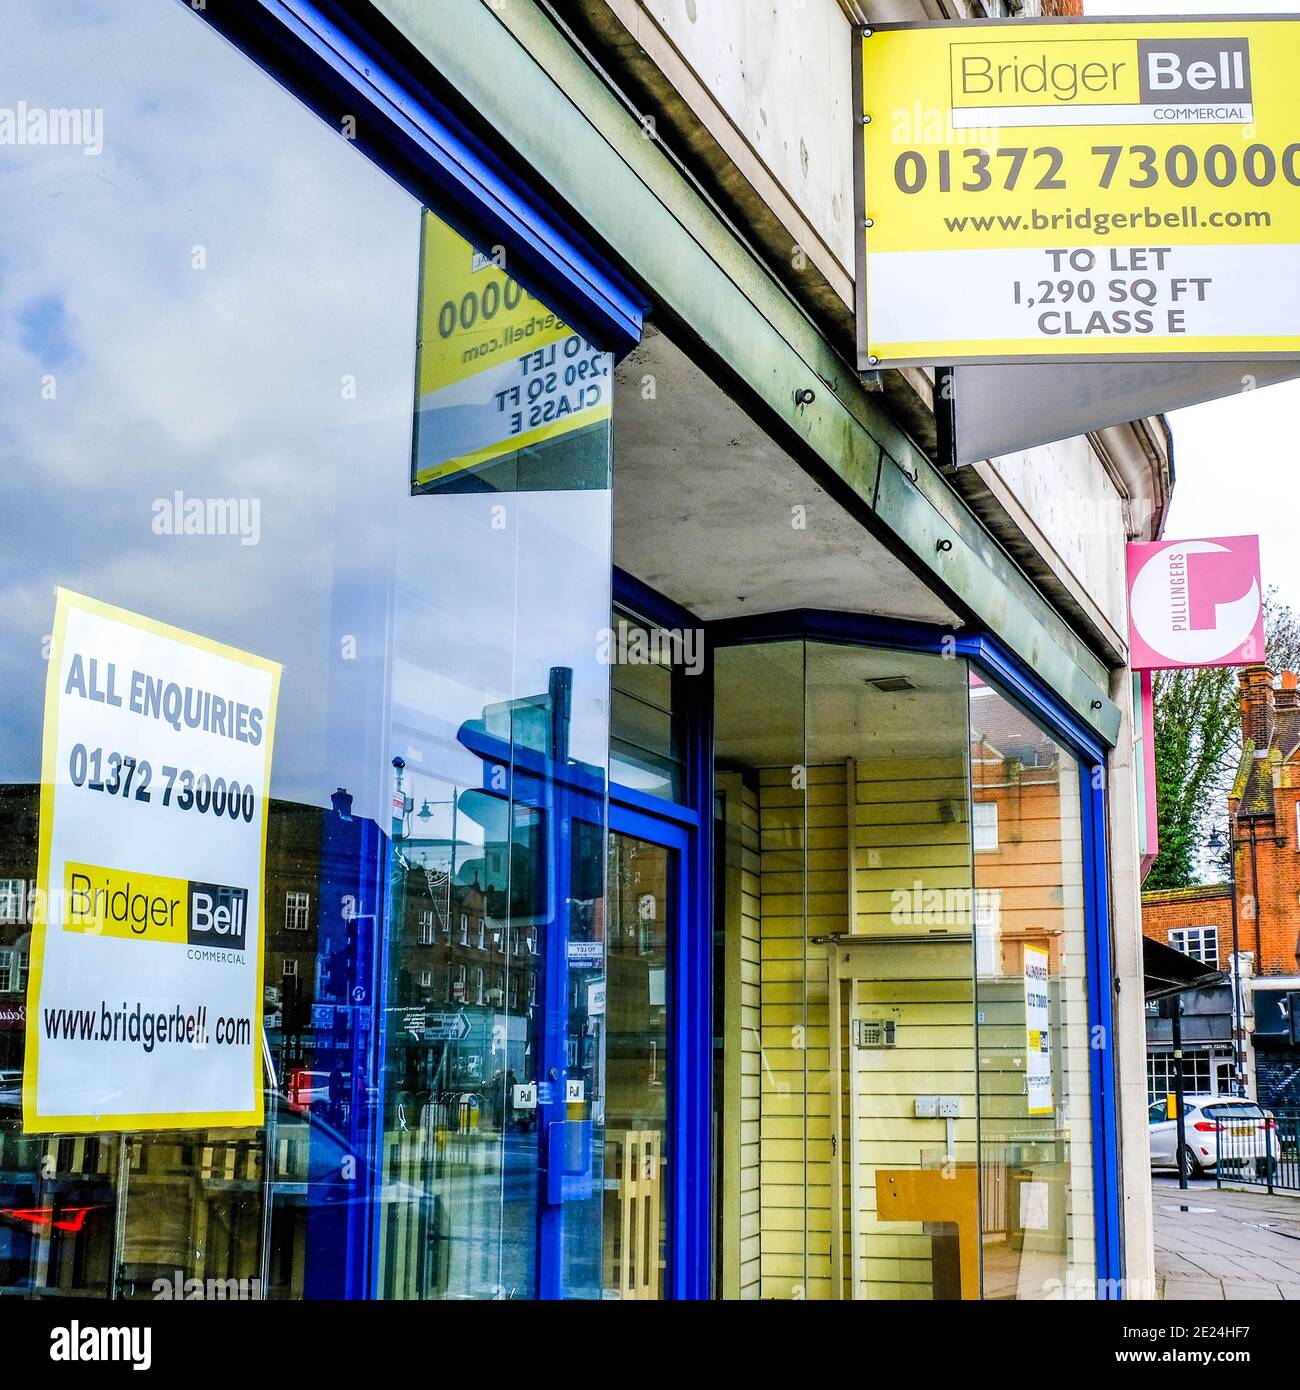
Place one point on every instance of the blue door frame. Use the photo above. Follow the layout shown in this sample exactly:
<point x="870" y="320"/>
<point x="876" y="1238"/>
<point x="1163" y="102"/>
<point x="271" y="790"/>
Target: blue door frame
<point x="683" y="1044"/>
<point x="690" y="1229"/>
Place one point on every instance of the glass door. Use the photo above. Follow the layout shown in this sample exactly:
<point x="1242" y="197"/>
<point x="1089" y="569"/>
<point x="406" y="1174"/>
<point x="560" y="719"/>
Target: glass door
<point x="643" y="923"/>
<point x="905" y="1222"/>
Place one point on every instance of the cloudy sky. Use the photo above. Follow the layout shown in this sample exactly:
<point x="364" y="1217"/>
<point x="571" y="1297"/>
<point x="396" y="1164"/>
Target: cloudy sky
<point x="222" y="303"/>
<point x="1236" y="458"/>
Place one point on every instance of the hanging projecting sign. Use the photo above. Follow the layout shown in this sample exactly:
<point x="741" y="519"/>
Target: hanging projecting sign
<point x="1055" y="190"/>
<point x="144" y="998"/>
<point x="1195" y="603"/>
<point x="1190" y="603"/>
<point x="1038" y="1032"/>
<point x="999" y="410"/>
<point x="497" y="373"/>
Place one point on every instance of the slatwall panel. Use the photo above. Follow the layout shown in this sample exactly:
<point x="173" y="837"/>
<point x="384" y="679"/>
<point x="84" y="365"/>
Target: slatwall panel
<point x="921" y="988"/>
<point x="796" y="1112"/>
<point x="913" y="879"/>
<point x="741" y="1029"/>
<point x="902" y="838"/>
<point x="750" y="931"/>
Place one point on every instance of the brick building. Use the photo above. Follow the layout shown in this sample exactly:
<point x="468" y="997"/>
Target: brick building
<point x="1197" y="921"/>
<point x="1264" y="812"/>
<point x="1263" y="808"/>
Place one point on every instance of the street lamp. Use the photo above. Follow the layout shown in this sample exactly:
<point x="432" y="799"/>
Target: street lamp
<point x="1216" y="841"/>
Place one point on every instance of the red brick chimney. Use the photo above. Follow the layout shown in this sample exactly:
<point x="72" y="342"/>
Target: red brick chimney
<point x="1257" y="705"/>
<point x="1286" y="696"/>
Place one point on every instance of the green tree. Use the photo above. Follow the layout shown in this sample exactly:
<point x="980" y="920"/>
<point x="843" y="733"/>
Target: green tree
<point x="1198" y="747"/>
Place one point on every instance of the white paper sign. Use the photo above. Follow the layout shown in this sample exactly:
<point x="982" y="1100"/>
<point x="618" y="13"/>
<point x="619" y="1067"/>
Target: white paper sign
<point x="145" y="989"/>
<point x="1035" y="1205"/>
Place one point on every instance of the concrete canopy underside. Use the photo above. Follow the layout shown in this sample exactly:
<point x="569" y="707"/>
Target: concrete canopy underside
<point x="710" y="511"/>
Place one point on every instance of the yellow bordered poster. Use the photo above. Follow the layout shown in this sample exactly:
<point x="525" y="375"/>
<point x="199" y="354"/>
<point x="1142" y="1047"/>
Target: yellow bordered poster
<point x="1038" y="1032"/>
<point x="496" y="370"/>
<point x="144" y="996"/>
<point x="1055" y="190"/>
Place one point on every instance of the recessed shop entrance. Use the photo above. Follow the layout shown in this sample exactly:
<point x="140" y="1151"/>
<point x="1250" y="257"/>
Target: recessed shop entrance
<point x="902" y="1061"/>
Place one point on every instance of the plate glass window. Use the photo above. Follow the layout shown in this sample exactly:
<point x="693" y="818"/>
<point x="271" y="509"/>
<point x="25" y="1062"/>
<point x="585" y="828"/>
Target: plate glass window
<point x="241" y="416"/>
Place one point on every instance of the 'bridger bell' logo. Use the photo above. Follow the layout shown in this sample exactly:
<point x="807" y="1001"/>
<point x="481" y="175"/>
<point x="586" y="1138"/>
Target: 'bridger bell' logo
<point x="1102" y="81"/>
<point x="218" y="915"/>
<point x="1196" y="71"/>
<point x="148" y="907"/>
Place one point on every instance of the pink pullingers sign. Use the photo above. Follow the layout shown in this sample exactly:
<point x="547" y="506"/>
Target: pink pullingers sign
<point x="1195" y="603"/>
<point x="1190" y="603"/>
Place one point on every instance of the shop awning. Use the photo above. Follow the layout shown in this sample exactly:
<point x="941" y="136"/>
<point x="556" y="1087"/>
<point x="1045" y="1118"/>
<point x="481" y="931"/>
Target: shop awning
<point x="1167" y="971"/>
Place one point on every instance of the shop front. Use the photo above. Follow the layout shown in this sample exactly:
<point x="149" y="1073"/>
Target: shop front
<point x="664" y="886"/>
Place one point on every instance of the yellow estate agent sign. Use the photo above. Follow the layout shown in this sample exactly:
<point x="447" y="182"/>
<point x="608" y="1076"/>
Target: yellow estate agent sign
<point x="144" y="999"/>
<point x="496" y="370"/>
<point x="1044" y="191"/>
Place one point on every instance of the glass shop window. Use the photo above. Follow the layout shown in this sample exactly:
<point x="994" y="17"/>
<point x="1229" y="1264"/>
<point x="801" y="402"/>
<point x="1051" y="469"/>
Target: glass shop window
<point x="1196" y="1074"/>
<point x="1035" y="1138"/>
<point x="276" y="448"/>
<point x="901" y="1083"/>
<point x="648" y="666"/>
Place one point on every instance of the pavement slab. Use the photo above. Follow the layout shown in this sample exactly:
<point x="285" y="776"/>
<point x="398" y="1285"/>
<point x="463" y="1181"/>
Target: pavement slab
<point x="1225" y="1244"/>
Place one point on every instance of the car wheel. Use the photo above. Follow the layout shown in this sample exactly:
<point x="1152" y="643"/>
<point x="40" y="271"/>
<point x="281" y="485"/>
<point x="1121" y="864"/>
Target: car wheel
<point x="1187" y="1164"/>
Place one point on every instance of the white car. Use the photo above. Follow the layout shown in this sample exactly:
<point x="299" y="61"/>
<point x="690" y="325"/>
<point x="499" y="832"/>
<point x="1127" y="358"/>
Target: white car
<point x="1249" y="1134"/>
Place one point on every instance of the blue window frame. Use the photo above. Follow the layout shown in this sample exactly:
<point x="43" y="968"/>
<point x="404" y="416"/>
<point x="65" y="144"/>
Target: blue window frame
<point x="334" y="64"/>
<point x="688" y="828"/>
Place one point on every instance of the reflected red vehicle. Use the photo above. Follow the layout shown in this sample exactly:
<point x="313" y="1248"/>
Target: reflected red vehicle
<point x="52" y="1218"/>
